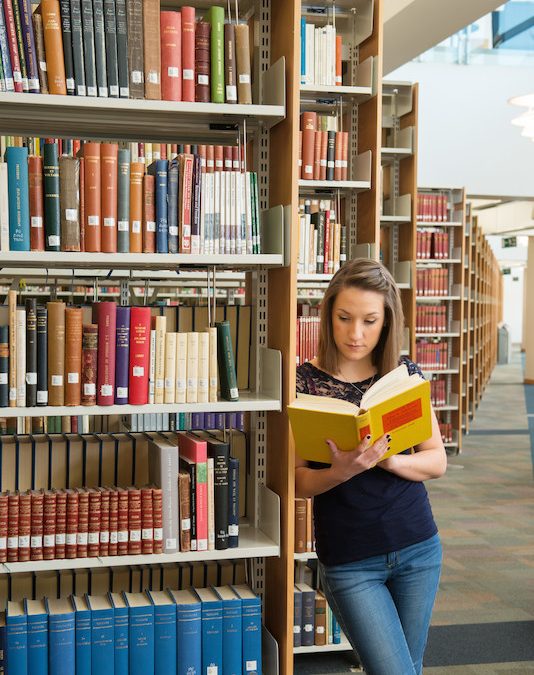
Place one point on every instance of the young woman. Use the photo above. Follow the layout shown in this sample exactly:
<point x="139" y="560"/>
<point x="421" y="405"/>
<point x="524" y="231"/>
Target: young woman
<point x="377" y="543"/>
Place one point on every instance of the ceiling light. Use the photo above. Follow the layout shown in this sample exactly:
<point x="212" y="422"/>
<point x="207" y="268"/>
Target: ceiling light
<point x="525" y="101"/>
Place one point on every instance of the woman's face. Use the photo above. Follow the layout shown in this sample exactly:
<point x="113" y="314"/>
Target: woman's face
<point x="357" y="321"/>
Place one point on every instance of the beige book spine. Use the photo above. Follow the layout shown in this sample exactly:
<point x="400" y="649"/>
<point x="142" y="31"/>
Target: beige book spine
<point x="170" y="368"/>
<point x="211" y="505"/>
<point x="213" y="371"/>
<point x="152" y="368"/>
<point x="242" y="52"/>
<point x="21" y="357"/>
<point x="12" y="309"/>
<point x="181" y="368"/>
<point x="203" y="366"/>
<point x="192" y="368"/>
<point x="159" y="375"/>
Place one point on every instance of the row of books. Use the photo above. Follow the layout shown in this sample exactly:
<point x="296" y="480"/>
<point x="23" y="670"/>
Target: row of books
<point x="124" y="49"/>
<point x="314" y="622"/>
<point x="307" y="338"/>
<point x="172" y="632"/>
<point x="323" y="149"/>
<point x="320" y="55"/>
<point x="432" y="281"/>
<point x="446" y="431"/>
<point x="433" y="207"/>
<point x="432" y="355"/>
<point x="101" y="201"/>
<point x="438" y="391"/>
<point x="432" y="245"/>
<point x="55" y="356"/>
<point x="304" y="534"/>
<point x="322" y="238"/>
<point x="431" y="319"/>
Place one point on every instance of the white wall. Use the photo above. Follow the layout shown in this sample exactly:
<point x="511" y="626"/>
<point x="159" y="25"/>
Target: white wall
<point x="465" y="135"/>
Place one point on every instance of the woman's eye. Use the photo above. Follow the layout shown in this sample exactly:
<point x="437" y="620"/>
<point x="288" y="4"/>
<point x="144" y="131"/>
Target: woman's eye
<point x="343" y="318"/>
<point x="370" y="322"/>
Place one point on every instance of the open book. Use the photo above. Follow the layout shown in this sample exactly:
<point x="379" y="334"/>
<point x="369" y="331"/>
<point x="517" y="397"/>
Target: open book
<point x="398" y="404"/>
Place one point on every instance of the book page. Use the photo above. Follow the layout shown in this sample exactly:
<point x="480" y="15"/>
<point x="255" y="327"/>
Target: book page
<point x="310" y="402"/>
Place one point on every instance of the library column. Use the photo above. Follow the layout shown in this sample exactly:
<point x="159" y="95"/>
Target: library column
<point x="528" y="317"/>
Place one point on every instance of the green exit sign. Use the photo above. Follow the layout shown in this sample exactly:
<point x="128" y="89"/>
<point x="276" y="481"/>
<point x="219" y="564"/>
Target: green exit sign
<point x="506" y="270"/>
<point x="509" y="242"/>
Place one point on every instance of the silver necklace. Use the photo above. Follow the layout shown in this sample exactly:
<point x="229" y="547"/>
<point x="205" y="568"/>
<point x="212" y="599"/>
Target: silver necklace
<point x="372" y="380"/>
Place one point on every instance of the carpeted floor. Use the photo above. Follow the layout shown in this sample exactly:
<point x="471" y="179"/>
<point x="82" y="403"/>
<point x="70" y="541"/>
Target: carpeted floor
<point x="483" y="621"/>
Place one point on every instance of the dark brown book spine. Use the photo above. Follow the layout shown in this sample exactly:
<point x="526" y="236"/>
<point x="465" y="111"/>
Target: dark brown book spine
<point x="61" y="524"/>
<point x="89" y="363"/>
<point x="184" y="491"/>
<point x="157" y="516"/>
<point x="134" y="521"/>
<point x="83" y="523"/>
<point x="25" y="525"/>
<point x="13" y="527"/>
<point x="73" y="355"/>
<point x="71" y="524"/>
<point x="122" y="540"/>
<point x="147" y="521"/>
<point x="69" y="203"/>
<point x="300" y="525"/>
<point x="134" y="9"/>
<point x="36" y="192"/>
<point x="49" y="525"/>
<point x="113" y="521"/>
<point x="202" y="62"/>
<point x="37" y="524"/>
<point x="3" y="526"/>
<point x="95" y="519"/>
<point x="104" y="521"/>
<point x="230" y="82"/>
<point x="37" y="21"/>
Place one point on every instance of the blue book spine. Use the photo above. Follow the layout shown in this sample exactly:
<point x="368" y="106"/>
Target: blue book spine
<point x="3" y="658"/>
<point x="252" y="636"/>
<point x="189" y="639"/>
<point x="122" y="355"/>
<point x="17" y="645"/>
<point x="159" y="169"/>
<point x="172" y="205"/>
<point x="197" y="420"/>
<point x="83" y="642"/>
<point x="230" y="420"/>
<point x="38" y="644"/>
<point x="141" y="640"/>
<point x="121" y="640"/>
<point x="61" y="641"/>
<point x="165" y="640"/>
<point x="240" y="421"/>
<point x="212" y="646"/>
<point x="232" y="637"/>
<point x="5" y="56"/>
<point x="220" y="420"/>
<point x="181" y="421"/>
<point x="103" y="642"/>
<point x="209" y="420"/>
<point x="303" y="50"/>
<point x="18" y="199"/>
<point x="336" y="630"/>
<point x="233" y="502"/>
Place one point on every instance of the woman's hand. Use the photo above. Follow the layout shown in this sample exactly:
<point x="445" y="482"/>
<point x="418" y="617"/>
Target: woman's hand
<point x="345" y="465"/>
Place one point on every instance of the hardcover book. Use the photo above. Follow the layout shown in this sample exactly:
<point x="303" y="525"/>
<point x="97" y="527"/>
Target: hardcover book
<point x="398" y="404"/>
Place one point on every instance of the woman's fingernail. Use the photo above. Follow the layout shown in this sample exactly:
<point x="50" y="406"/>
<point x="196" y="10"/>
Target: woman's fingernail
<point x="388" y="437"/>
<point x="368" y="437"/>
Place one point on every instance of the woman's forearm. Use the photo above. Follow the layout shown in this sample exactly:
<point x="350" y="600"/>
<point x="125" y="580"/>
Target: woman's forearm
<point x="419" y="466"/>
<point x="311" y="482"/>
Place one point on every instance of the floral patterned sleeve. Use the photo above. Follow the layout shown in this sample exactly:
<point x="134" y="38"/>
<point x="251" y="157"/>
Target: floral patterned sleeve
<point x="412" y="366"/>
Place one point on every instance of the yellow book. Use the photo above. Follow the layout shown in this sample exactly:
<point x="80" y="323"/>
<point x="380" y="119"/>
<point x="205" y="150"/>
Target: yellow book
<point x="398" y="404"/>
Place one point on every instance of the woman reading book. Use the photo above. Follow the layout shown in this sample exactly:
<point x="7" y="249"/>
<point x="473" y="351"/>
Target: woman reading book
<point x="377" y="543"/>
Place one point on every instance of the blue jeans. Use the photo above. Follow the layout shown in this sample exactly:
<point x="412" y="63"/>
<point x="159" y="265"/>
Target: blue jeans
<point x="384" y="605"/>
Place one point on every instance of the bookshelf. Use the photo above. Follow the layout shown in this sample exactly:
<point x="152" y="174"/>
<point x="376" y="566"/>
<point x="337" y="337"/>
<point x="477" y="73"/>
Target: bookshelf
<point x="466" y="328"/>
<point x="441" y="214"/>
<point x="399" y="191"/>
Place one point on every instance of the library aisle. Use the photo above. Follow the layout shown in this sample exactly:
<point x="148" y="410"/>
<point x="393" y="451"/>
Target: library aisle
<point x="483" y="621"/>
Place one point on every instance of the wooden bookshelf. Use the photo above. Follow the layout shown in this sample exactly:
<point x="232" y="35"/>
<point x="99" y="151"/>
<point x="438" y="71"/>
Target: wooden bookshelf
<point x="468" y="308"/>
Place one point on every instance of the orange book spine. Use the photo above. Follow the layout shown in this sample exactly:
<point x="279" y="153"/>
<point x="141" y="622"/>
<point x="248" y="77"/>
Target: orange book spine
<point x="339" y="76"/>
<point x="73" y="355"/>
<point x="92" y="197"/>
<point x="109" y="175"/>
<point x="137" y="170"/>
<point x="35" y="177"/>
<point x="55" y="64"/>
<point x="149" y="214"/>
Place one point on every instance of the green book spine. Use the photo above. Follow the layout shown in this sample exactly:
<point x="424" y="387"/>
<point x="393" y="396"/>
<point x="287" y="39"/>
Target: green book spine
<point x="51" y="197"/>
<point x="226" y="362"/>
<point x="216" y="18"/>
<point x="123" y="201"/>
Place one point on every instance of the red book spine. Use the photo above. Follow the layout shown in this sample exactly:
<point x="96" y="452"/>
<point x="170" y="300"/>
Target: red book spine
<point x="61" y="524"/>
<point x="113" y="521"/>
<point x="134" y="521"/>
<point x="106" y="320"/>
<point x="25" y="522"/>
<point x="104" y="521"/>
<point x="71" y="524"/>
<point x="188" y="54"/>
<point x="13" y="527"/>
<point x="13" y="44"/>
<point x="37" y="523"/>
<point x="95" y="520"/>
<point x="36" y="197"/>
<point x="89" y="363"/>
<point x="171" y="56"/>
<point x="83" y="523"/>
<point x="3" y="526"/>
<point x="157" y="515"/>
<point x="49" y="525"/>
<point x="139" y="355"/>
<point x="147" y="521"/>
<point x="122" y="539"/>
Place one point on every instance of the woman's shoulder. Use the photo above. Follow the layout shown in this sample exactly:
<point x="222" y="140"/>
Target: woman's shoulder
<point x="411" y="365"/>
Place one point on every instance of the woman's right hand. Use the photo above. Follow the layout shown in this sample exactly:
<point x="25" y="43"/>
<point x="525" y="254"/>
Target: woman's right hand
<point x="346" y="464"/>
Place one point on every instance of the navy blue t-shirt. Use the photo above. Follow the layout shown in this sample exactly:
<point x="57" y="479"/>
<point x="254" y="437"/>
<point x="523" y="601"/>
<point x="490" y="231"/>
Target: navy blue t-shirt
<point x="373" y="513"/>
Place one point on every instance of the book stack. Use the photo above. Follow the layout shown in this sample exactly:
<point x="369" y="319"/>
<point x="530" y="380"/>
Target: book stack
<point x="432" y="207"/>
<point x="431" y="244"/>
<point x="184" y="421"/>
<point x="433" y="281"/>
<point x="432" y="355"/>
<point x="126" y="49"/>
<point x="431" y="319"/>
<point x="304" y="534"/>
<point x="94" y="198"/>
<point x="322" y="238"/>
<point x="320" y="55"/>
<point x="438" y="391"/>
<point x="143" y="632"/>
<point x="323" y="148"/>
<point x="314" y="622"/>
<point x="108" y="354"/>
